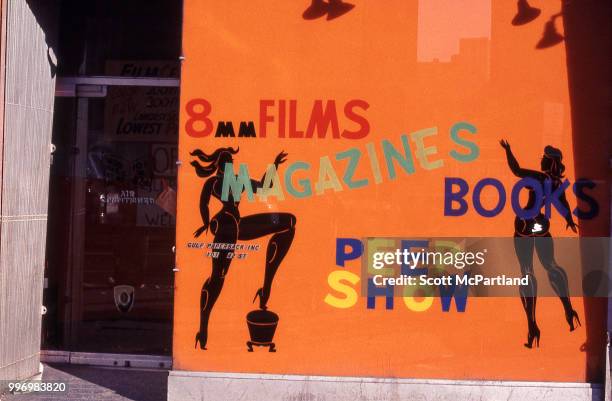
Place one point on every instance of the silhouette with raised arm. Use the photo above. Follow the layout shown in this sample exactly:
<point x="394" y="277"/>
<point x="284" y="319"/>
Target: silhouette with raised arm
<point x="228" y="226"/>
<point x="534" y="233"/>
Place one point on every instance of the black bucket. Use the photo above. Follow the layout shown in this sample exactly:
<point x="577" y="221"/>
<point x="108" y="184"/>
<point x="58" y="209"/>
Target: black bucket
<point x="262" y="326"/>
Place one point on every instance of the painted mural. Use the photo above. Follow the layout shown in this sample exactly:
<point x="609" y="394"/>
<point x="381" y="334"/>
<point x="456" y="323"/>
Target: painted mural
<point x="316" y="136"/>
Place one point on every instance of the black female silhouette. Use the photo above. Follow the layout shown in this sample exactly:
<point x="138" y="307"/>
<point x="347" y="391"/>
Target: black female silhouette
<point x="228" y="227"/>
<point x="534" y="233"/>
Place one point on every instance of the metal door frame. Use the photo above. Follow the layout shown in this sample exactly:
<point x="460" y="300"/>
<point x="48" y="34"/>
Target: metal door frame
<point x="83" y="88"/>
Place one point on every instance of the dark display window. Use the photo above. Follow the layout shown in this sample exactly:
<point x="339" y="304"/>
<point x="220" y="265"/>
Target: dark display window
<point x="112" y="222"/>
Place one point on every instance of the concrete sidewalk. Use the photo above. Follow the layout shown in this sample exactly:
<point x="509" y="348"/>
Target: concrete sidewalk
<point x="90" y="383"/>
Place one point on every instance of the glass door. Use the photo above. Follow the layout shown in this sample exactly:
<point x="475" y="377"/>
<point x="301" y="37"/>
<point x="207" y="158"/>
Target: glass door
<point x="109" y="274"/>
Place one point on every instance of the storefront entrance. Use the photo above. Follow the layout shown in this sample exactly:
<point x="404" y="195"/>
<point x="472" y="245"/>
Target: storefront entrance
<point x="110" y="244"/>
<point x="109" y="262"/>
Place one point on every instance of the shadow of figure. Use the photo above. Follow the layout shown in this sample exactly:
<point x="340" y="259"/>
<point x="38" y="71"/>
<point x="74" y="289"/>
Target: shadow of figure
<point x="525" y="13"/>
<point x="333" y="9"/>
<point x="550" y="36"/>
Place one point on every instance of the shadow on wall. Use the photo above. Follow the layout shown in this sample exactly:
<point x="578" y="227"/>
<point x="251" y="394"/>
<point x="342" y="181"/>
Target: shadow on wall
<point x="332" y="8"/>
<point x="588" y="42"/>
<point x="526" y="13"/>
<point x="46" y="13"/>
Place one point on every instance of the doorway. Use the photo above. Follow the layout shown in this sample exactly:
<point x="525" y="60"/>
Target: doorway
<point x="110" y="242"/>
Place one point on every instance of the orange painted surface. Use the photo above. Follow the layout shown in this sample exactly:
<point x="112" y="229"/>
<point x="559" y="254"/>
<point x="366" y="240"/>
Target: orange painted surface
<point x="238" y="53"/>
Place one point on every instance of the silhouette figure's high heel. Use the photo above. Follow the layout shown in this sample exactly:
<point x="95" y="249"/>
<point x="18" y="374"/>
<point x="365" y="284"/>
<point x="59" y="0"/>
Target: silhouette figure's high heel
<point x="533" y="335"/>
<point x="200" y="338"/>
<point x="572" y="318"/>
<point x="263" y="299"/>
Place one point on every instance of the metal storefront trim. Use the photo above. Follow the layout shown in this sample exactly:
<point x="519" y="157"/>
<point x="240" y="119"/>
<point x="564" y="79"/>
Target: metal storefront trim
<point x="111" y="360"/>
<point x="67" y="86"/>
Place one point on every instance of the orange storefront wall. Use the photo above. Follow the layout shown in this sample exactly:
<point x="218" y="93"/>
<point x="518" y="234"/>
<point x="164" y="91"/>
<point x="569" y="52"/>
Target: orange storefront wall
<point x="418" y="65"/>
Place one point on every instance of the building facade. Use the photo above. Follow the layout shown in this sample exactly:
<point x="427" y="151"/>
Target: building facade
<point x="162" y="164"/>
